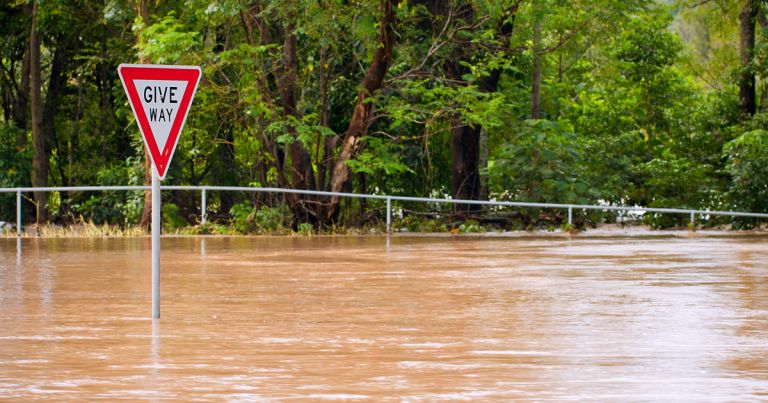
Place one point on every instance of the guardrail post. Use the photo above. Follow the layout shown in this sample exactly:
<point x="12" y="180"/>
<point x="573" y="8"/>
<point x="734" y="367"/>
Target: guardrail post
<point x="389" y="215"/>
<point x="570" y="215"/>
<point x="202" y="206"/>
<point x="18" y="213"/>
<point x="693" y="218"/>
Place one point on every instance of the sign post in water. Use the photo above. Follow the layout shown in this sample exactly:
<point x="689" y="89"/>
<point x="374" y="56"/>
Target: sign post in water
<point x="160" y="97"/>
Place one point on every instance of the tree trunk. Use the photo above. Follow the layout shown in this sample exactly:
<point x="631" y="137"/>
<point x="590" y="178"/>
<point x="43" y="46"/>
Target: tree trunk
<point x="250" y="17"/>
<point x="468" y="156"/>
<point x="364" y="107"/>
<point x="302" y="176"/>
<point x="225" y="167"/>
<point x="536" y="73"/>
<point x="74" y="136"/>
<point x="362" y="187"/>
<point x="51" y="105"/>
<point x="329" y="143"/>
<point x="465" y="153"/>
<point x="747" y="104"/>
<point x="482" y="165"/>
<point x="22" y="100"/>
<point x="142" y="11"/>
<point x="39" y="157"/>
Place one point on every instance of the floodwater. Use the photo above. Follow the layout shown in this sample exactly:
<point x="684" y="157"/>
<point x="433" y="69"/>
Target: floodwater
<point x="409" y="319"/>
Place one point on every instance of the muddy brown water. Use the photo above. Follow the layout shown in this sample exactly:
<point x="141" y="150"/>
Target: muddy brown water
<point x="251" y="319"/>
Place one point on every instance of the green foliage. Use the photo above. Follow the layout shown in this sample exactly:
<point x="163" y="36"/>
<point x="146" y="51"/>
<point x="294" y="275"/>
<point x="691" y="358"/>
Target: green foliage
<point x="676" y="181"/>
<point x="15" y="168"/>
<point x="646" y="48"/>
<point x="381" y="157"/>
<point x="639" y="105"/>
<point x="305" y="229"/>
<point x="413" y="223"/>
<point x="111" y="207"/>
<point x="243" y="217"/>
<point x="167" y="42"/>
<point x="541" y="164"/>
<point x="748" y="166"/>
<point x="172" y="220"/>
<point x="432" y="225"/>
<point x="471" y="226"/>
<point x="247" y="219"/>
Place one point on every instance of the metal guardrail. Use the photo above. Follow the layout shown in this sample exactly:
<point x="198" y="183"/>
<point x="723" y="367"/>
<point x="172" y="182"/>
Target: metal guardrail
<point x="203" y="189"/>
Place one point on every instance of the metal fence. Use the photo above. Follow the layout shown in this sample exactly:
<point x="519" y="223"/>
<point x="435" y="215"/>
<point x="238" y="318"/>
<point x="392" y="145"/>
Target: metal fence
<point x="387" y="198"/>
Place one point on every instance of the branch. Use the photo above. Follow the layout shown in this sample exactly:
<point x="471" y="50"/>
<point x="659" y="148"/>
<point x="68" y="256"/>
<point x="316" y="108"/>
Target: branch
<point x="437" y="45"/>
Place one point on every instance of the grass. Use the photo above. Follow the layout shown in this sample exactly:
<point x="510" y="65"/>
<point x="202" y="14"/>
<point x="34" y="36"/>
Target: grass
<point x="92" y="230"/>
<point x="82" y="230"/>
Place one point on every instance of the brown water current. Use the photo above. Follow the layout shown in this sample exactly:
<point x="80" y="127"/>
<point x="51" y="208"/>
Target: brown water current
<point x="244" y="319"/>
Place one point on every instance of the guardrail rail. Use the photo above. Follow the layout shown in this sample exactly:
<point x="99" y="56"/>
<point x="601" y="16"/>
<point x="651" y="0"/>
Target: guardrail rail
<point x="388" y="198"/>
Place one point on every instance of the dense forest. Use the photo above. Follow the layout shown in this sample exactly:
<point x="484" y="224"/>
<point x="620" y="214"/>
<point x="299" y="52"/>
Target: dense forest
<point x="623" y="102"/>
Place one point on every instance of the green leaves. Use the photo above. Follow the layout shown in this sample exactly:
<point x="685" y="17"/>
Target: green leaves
<point x="748" y="166"/>
<point x="167" y="41"/>
<point x="541" y="163"/>
<point x="380" y="157"/>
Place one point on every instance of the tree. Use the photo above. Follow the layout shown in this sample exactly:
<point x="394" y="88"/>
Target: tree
<point x="142" y="21"/>
<point x="39" y="141"/>
<point x="747" y="17"/>
<point x="363" y="108"/>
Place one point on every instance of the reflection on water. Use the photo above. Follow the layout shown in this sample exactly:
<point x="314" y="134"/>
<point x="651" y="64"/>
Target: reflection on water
<point x="373" y="318"/>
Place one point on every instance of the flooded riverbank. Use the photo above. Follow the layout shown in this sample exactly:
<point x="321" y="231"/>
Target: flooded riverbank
<point x="409" y="318"/>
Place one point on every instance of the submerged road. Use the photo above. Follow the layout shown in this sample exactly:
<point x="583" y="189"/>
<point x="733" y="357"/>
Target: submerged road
<point x="243" y="319"/>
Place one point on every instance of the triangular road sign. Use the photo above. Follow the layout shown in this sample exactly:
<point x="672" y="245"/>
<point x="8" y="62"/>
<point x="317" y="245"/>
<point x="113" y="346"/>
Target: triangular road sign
<point x="160" y="97"/>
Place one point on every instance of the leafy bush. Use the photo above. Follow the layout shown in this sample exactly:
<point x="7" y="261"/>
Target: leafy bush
<point x="748" y="166"/>
<point x="14" y="168"/>
<point x="270" y="219"/>
<point x="247" y="219"/>
<point x="432" y="225"/>
<point x="112" y="207"/>
<point x="541" y="165"/>
<point x="172" y="220"/>
<point x="305" y="229"/>
<point x="414" y="223"/>
<point x="677" y="182"/>
<point x="243" y="217"/>
<point x="471" y="226"/>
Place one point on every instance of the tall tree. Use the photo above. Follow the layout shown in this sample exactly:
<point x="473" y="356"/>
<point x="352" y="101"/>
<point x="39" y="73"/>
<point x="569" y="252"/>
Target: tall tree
<point x="465" y="144"/>
<point x="301" y="173"/>
<point x="536" y="70"/>
<point x="142" y="21"/>
<point x="52" y="97"/>
<point x="361" y="115"/>
<point x="14" y="70"/>
<point x="747" y="17"/>
<point x="39" y="142"/>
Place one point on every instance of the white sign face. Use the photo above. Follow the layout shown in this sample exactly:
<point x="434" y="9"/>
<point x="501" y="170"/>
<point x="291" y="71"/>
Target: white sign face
<point x="160" y="100"/>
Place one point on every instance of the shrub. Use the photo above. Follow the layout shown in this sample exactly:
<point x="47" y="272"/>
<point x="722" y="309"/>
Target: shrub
<point x="172" y="220"/>
<point x="748" y="166"/>
<point x="471" y="226"/>
<point x="305" y="229"/>
<point x="432" y="225"/>
<point x="247" y="219"/>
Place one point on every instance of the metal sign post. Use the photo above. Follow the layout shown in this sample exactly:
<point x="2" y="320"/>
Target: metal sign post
<point x="160" y="97"/>
<point x="156" y="210"/>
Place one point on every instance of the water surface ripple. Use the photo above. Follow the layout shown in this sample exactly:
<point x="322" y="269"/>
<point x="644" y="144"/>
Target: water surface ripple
<point x="243" y="319"/>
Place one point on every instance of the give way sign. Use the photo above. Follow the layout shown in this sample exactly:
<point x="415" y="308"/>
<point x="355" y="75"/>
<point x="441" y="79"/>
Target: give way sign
<point x="160" y="97"/>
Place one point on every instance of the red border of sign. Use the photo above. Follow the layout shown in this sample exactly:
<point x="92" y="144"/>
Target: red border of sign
<point x="161" y="159"/>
